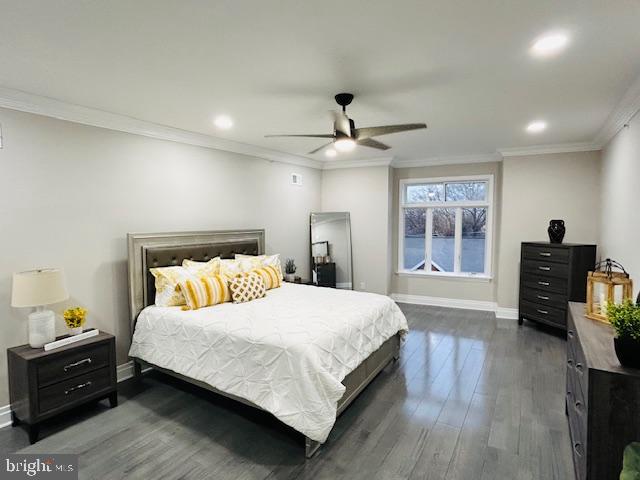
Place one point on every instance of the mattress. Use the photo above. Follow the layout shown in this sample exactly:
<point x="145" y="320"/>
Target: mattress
<point x="287" y="352"/>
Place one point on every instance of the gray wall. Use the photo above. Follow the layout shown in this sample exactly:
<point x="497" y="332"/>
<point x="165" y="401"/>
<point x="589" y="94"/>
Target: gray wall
<point x="364" y="192"/>
<point x="459" y="288"/>
<point x="536" y="189"/>
<point x="620" y="207"/>
<point x="70" y="193"/>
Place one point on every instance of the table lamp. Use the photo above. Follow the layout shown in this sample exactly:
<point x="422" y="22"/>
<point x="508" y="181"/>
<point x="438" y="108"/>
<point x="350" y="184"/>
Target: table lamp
<point x="38" y="288"/>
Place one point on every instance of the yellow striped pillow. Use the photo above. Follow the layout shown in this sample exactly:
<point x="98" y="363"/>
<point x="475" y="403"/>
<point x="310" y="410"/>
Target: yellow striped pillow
<point x="270" y="276"/>
<point x="205" y="291"/>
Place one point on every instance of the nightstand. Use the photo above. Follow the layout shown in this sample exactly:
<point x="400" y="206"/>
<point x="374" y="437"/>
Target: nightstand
<point x="44" y="384"/>
<point x="301" y="281"/>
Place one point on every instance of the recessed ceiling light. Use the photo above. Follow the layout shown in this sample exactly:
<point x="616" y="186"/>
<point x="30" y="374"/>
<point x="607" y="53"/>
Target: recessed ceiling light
<point x="330" y="152"/>
<point x="223" y="122"/>
<point x="344" y="145"/>
<point x="550" y="44"/>
<point x="537" y="127"/>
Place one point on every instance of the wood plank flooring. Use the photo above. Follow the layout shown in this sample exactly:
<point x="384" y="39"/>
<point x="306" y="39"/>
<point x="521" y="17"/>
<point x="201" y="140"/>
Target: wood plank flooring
<point x="471" y="397"/>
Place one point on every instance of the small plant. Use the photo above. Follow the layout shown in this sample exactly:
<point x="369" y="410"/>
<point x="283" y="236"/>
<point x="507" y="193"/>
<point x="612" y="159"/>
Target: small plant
<point x="75" y="317"/>
<point x="631" y="462"/>
<point x="290" y="266"/>
<point x="625" y="319"/>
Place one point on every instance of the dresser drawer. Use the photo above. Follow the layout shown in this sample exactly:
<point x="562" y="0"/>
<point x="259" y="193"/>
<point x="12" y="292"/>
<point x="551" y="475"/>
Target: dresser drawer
<point x="70" y="364"/>
<point x="576" y="360"/>
<point x="547" y="284"/>
<point x="553" y="299"/>
<point x="578" y="432"/>
<point x="546" y="269"/>
<point x="543" y="313"/>
<point x="547" y="254"/>
<point x="73" y="389"/>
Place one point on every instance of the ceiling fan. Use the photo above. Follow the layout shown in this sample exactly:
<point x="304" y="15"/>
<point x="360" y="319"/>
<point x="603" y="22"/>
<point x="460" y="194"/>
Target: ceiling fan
<point x="346" y="136"/>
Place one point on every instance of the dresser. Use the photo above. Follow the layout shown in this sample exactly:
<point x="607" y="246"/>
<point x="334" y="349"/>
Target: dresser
<point x="602" y="398"/>
<point x="326" y="274"/>
<point x="44" y="384"/>
<point x="551" y="275"/>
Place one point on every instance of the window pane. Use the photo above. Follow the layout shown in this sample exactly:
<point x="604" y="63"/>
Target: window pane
<point x="456" y="192"/>
<point x="474" y="227"/>
<point x="443" y="239"/>
<point x="415" y="220"/>
<point x="429" y="192"/>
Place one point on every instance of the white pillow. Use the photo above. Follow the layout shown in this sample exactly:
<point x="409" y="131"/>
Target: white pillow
<point x="266" y="260"/>
<point x="210" y="268"/>
<point x="234" y="267"/>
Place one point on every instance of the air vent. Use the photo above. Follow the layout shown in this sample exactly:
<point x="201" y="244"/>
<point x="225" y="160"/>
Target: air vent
<point x="296" y="179"/>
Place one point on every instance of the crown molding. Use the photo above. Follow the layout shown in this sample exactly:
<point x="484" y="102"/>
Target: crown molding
<point x="546" y="149"/>
<point x="49" y="107"/>
<point x="452" y="160"/>
<point x="374" y="162"/>
<point x="626" y="109"/>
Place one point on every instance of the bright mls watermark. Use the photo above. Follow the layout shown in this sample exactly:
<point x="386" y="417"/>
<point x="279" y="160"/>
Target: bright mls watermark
<point x="39" y="466"/>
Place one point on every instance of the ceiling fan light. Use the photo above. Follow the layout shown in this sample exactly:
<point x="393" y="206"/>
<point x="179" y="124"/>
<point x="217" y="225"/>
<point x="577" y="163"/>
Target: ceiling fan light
<point x="344" y="145"/>
<point x="330" y="152"/>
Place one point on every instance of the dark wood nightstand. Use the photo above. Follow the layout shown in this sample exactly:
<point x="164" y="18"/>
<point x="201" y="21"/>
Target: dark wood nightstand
<point x="302" y="281"/>
<point x="44" y="384"/>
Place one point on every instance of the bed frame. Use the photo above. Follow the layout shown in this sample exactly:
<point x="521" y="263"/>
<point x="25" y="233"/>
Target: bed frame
<point x="150" y="250"/>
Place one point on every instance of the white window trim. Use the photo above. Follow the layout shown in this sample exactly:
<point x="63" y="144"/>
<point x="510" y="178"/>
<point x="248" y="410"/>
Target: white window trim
<point x="489" y="204"/>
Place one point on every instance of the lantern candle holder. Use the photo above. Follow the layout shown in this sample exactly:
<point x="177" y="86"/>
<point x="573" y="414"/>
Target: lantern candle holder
<point x="604" y="286"/>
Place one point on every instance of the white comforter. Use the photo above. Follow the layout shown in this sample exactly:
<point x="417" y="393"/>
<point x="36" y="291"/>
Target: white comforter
<point x="287" y="353"/>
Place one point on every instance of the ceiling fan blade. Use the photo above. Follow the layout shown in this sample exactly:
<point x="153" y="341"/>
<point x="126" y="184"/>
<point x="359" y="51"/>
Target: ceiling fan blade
<point x="368" y="132"/>
<point x="341" y="122"/>
<point x="370" y="142"/>
<point x="320" y="148"/>
<point x="311" y="135"/>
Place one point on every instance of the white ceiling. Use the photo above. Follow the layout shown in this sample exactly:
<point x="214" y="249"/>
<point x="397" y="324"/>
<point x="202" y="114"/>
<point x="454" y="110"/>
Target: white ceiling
<point x="462" y="66"/>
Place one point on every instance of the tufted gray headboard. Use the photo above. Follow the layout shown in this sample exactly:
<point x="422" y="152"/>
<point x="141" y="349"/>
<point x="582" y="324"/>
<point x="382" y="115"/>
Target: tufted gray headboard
<point x="148" y="250"/>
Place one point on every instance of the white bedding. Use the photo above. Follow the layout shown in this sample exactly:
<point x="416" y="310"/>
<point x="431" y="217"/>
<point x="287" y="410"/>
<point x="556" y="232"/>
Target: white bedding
<point x="287" y="353"/>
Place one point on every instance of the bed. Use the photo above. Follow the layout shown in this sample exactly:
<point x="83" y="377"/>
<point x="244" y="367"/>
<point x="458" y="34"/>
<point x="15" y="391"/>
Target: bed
<point x="302" y="353"/>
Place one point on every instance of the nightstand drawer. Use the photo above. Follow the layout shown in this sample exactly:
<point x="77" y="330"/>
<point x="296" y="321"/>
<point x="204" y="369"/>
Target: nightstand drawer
<point x="74" y="389"/>
<point x="546" y="254"/>
<point x="72" y="363"/>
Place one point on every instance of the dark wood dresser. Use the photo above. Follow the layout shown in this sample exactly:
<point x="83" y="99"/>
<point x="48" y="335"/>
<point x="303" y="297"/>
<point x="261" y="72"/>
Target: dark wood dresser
<point x="552" y="274"/>
<point x="326" y="274"/>
<point x="44" y="384"/>
<point x="602" y="398"/>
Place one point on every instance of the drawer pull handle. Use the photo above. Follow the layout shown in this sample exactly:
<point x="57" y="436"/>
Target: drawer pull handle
<point x="542" y="297"/>
<point x="578" y="448"/>
<point x="579" y="366"/>
<point x="570" y="362"/>
<point x="545" y="269"/>
<point x="570" y="333"/>
<point x="78" y="387"/>
<point x="544" y="284"/>
<point x="77" y="364"/>
<point x="578" y="405"/>
<point x="545" y="254"/>
<point x="543" y="312"/>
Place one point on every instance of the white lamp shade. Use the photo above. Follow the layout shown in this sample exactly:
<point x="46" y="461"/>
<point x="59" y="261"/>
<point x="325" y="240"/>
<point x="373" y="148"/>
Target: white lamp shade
<point x="36" y="288"/>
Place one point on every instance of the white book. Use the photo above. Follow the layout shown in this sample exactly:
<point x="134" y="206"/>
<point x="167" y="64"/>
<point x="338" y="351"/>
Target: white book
<point x="71" y="339"/>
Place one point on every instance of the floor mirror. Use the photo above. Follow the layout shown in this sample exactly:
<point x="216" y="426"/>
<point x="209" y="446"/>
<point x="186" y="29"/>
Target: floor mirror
<point x="331" y="263"/>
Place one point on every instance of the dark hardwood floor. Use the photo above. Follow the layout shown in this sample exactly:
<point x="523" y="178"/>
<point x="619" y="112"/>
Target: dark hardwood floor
<point x="471" y="397"/>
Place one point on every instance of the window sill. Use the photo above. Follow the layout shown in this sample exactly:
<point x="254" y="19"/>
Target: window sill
<point x="446" y="276"/>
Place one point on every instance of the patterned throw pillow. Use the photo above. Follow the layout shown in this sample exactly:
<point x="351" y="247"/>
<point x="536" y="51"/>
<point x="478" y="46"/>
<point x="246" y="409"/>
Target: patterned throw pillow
<point x="204" y="291"/>
<point x="246" y="288"/>
<point x="270" y="276"/>
<point x="212" y="267"/>
<point x="264" y="261"/>
<point x="167" y="292"/>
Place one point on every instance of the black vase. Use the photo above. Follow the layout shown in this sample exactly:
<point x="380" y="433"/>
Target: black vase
<point x="628" y="351"/>
<point x="556" y="231"/>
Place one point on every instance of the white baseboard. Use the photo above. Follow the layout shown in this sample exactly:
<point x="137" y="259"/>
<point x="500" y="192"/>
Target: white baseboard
<point x="485" y="306"/>
<point x="508" y="313"/>
<point x="123" y="372"/>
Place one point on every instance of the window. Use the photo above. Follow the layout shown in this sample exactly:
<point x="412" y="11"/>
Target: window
<point x="445" y="226"/>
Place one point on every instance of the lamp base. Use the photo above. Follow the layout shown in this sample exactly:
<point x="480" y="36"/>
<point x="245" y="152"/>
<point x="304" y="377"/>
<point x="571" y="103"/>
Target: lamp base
<point x="42" y="328"/>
